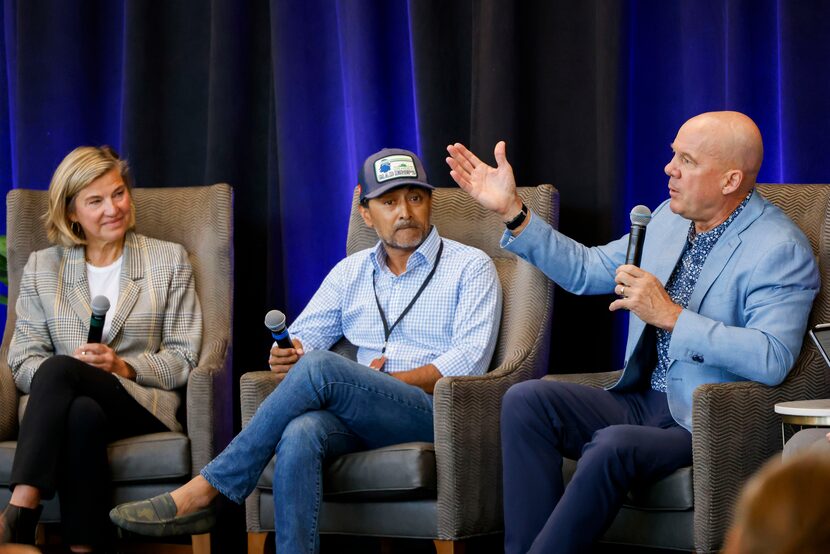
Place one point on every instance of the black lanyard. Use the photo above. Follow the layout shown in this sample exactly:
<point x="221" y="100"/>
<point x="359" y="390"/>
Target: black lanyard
<point x="387" y="331"/>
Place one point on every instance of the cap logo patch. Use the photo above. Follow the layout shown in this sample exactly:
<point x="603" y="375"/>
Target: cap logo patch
<point x="395" y="167"/>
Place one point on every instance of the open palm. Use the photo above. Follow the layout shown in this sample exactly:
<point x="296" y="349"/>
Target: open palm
<point x="492" y="187"/>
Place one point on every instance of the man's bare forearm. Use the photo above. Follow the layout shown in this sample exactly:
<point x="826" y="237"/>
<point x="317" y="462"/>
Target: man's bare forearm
<point x="423" y="377"/>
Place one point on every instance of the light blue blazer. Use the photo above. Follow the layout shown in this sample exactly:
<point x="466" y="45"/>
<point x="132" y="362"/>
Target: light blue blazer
<point x="747" y="315"/>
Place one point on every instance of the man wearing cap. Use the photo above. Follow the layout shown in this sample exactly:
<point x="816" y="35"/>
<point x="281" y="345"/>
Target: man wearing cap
<point x="416" y="306"/>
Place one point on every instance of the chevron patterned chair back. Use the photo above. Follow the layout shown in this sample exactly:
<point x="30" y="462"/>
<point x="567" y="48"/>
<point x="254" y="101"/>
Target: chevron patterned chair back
<point x="450" y="490"/>
<point x="735" y="426"/>
<point x="200" y="219"/>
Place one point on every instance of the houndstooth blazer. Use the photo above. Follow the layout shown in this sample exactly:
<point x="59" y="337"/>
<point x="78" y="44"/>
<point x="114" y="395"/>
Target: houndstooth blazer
<point x="157" y="326"/>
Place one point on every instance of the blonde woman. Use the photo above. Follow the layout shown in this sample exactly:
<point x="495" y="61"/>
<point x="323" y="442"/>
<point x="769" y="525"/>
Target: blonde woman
<point x="83" y="396"/>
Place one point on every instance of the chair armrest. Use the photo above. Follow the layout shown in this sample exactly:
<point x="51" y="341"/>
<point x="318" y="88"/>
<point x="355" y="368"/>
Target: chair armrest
<point x="254" y="388"/>
<point x="201" y="403"/>
<point x="468" y="445"/>
<point x="735" y="430"/>
<point x="600" y="380"/>
<point x="8" y="403"/>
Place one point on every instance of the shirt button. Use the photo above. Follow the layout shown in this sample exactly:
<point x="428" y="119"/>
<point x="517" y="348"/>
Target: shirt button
<point x="697" y="358"/>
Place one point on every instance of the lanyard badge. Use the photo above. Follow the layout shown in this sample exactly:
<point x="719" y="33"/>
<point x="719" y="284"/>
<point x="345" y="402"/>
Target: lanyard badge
<point x="378" y="362"/>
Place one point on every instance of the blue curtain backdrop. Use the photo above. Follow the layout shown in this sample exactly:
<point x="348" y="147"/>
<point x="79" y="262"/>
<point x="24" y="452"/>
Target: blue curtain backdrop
<point x="766" y="58"/>
<point x="343" y="87"/>
<point x="284" y="100"/>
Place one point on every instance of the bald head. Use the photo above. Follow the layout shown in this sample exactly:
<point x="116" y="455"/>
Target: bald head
<point x="716" y="160"/>
<point x="733" y="139"/>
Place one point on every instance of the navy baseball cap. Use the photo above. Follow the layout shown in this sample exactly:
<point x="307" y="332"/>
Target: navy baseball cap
<point x="388" y="169"/>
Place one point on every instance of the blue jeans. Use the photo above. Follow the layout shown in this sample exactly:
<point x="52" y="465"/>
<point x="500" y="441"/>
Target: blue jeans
<point x="326" y="406"/>
<point x="619" y="438"/>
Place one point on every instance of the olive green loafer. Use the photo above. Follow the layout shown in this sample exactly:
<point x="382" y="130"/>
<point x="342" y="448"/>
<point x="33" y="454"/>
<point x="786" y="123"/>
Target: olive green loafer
<point x="156" y="517"/>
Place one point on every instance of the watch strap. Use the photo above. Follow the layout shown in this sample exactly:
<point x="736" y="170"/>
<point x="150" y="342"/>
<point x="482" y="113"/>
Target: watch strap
<point x="514" y="223"/>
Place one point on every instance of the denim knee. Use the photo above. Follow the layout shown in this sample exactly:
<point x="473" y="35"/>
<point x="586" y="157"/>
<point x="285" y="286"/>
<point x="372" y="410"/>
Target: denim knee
<point x="320" y="367"/>
<point x="313" y="363"/>
<point x="306" y="433"/>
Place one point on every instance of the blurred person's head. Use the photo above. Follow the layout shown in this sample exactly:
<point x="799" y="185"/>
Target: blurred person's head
<point x="90" y="198"/>
<point x="784" y="509"/>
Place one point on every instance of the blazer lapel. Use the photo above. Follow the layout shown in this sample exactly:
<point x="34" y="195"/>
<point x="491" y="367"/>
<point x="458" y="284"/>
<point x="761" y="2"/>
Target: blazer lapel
<point x="662" y="250"/>
<point x="77" y="287"/>
<point x="132" y="270"/>
<point x="669" y="248"/>
<point x="724" y="249"/>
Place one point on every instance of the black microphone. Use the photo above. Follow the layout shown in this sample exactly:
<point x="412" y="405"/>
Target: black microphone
<point x="100" y="307"/>
<point x="275" y="321"/>
<point x="639" y="216"/>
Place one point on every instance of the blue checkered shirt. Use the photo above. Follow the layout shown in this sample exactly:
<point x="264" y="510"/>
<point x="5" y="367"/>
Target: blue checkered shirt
<point x="682" y="283"/>
<point x="453" y="325"/>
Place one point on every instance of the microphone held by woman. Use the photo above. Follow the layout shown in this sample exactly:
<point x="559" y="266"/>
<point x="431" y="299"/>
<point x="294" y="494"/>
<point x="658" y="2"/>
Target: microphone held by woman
<point x="100" y="307"/>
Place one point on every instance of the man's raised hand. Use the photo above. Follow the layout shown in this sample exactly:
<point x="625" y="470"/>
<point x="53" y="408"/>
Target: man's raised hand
<point x="492" y="187"/>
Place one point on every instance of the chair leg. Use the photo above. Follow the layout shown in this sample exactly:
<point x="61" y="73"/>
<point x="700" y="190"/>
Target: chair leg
<point x="40" y="534"/>
<point x="257" y="542"/>
<point x="385" y="546"/>
<point x="201" y="543"/>
<point x="449" y="547"/>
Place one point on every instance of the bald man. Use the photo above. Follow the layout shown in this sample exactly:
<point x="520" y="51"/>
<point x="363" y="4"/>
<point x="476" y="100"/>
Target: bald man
<point x="722" y="294"/>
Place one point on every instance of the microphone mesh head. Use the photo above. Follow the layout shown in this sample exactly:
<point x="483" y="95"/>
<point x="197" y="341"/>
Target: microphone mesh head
<point x="640" y="215"/>
<point x="100" y="305"/>
<point x="275" y="320"/>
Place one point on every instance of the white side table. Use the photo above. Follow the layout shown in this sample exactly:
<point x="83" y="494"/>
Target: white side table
<point x="815" y="413"/>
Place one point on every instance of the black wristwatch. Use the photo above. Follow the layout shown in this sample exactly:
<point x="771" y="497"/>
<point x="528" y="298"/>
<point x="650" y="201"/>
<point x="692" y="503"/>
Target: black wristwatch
<point x="514" y="223"/>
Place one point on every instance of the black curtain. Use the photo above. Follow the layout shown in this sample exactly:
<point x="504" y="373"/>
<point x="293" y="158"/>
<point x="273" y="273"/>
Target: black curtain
<point x="545" y="77"/>
<point x="199" y="108"/>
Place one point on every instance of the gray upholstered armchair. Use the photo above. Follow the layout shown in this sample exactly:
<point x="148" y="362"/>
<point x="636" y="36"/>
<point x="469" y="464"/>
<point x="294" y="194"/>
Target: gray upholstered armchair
<point x="449" y="490"/>
<point x="735" y="426"/>
<point x="201" y="219"/>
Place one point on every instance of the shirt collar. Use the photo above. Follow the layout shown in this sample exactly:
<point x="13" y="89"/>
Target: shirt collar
<point x="425" y="253"/>
<point x="714" y="234"/>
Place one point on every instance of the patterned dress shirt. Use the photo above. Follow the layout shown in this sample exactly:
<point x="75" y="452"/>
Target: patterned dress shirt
<point x="682" y="283"/>
<point x="453" y="324"/>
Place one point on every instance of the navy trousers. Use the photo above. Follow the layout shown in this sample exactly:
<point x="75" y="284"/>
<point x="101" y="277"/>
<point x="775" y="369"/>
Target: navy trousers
<point x="620" y="439"/>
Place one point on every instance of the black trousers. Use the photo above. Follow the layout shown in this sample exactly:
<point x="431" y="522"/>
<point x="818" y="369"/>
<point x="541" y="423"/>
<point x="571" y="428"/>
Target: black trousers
<point x="74" y="411"/>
